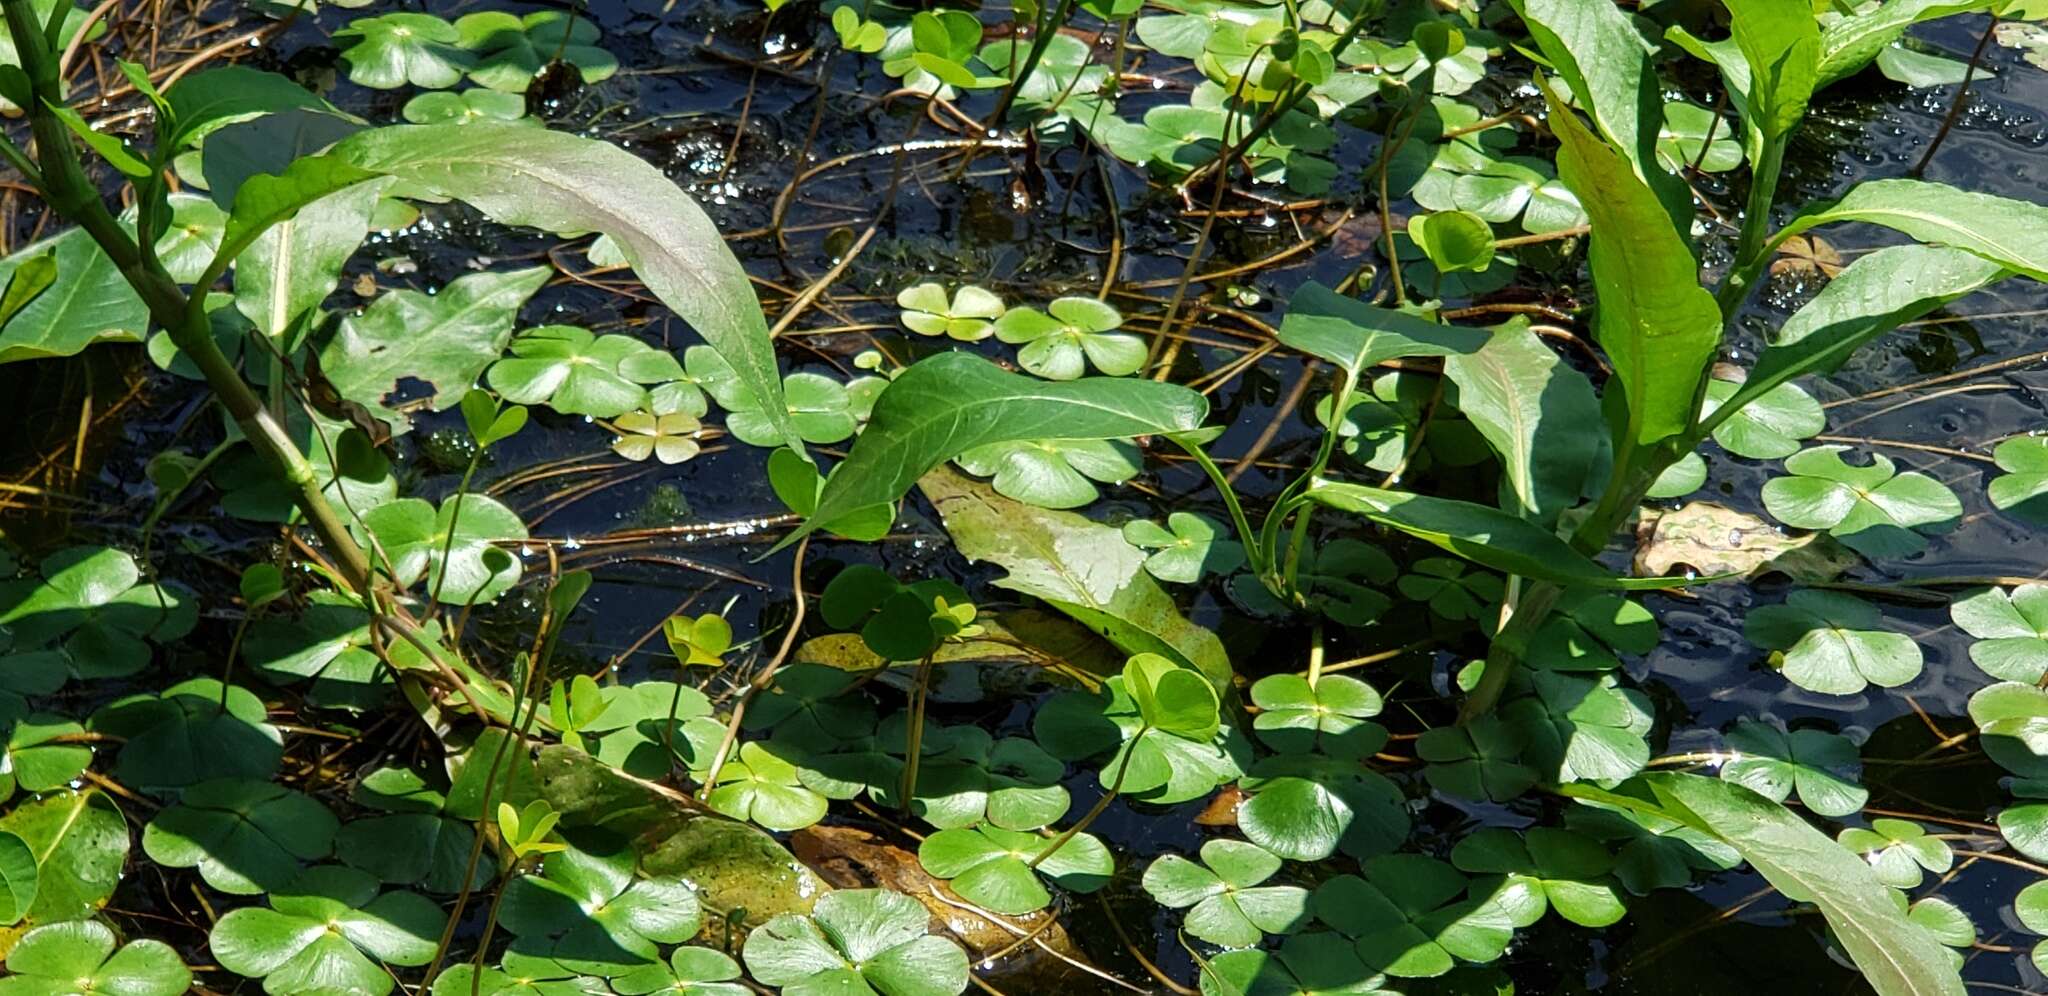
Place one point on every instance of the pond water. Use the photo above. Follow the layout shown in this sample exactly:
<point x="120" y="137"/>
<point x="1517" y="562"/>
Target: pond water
<point x="1032" y="224"/>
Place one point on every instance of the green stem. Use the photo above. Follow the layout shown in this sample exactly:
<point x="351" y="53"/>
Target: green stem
<point x="914" y="741"/>
<point x="1751" y="246"/>
<point x="1252" y="551"/>
<point x="1116" y="786"/>
<point x="454" y="514"/>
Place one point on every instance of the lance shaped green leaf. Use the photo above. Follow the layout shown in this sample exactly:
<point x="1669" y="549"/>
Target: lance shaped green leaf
<point x="2003" y="230"/>
<point x="1407" y="919"/>
<point x="1606" y="62"/>
<point x="204" y="101"/>
<point x="290" y="269"/>
<point x="1821" y="766"/>
<point x="416" y="841"/>
<point x="2011" y="630"/>
<point x="1874" y="509"/>
<point x="81" y="957"/>
<point x="1658" y="326"/>
<point x="511" y="50"/>
<point x="1871" y="296"/>
<point x="455" y="548"/>
<point x="1534" y="410"/>
<point x="1480" y="534"/>
<point x="565" y="184"/>
<point x="1356" y="336"/>
<point x="94" y="599"/>
<point x="391" y="50"/>
<point x="1896" y="957"/>
<point x="1832" y="643"/>
<point x="856" y="942"/>
<point x="190" y="732"/>
<point x="589" y="912"/>
<point x="444" y="339"/>
<point x="80" y="843"/>
<point x="1850" y="42"/>
<point x="1559" y="870"/>
<point x="1900" y="851"/>
<point x="2022" y="491"/>
<point x="326" y="932"/>
<point x="1225" y="902"/>
<point x="245" y="837"/>
<point x="991" y="867"/>
<point x="1781" y="43"/>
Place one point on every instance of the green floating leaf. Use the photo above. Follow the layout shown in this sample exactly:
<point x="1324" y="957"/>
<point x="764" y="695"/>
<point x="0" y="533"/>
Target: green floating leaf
<point x="1186" y="549"/>
<point x="762" y="788"/>
<point x="1309" y="964"/>
<point x="245" y="837"/>
<point x="93" y="598"/>
<point x="391" y="50"/>
<point x="573" y="372"/>
<point x="80" y="843"/>
<point x="1451" y="591"/>
<point x="1306" y="808"/>
<point x="856" y="940"/>
<point x="1079" y="332"/>
<point x="1822" y="767"/>
<point x="416" y="842"/>
<point x="1145" y="761"/>
<point x="511" y="50"/>
<point x="1900" y="851"/>
<point x="329" y="643"/>
<point x="18" y="879"/>
<point x="1053" y="473"/>
<point x="1874" y="510"/>
<point x="968" y="316"/>
<point x="1579" y="729"/>
<point x="455" y="548"/>
<point x="2011" y="630"/>
<point x="81" y="957"/>
<point x="1225" y="902"/>
<point x="590" y="912"/>
<point x="1651" y="852"/>
<point x="444" y="339"/>
<point x="328" y="931"/>
<point x="688" y="972"/>
<point x="993" y="868"/>
<point x="183" y="735"/>
<point x="468" y="105"/>
<point x="1769" y="427"/>
<point x="1477" y="760"/>
<point x="1407" y="918"/>
<point x="29" y="761"/>
<point x="2022" y="491"/>
<point x="2013" y="719"/>
<point x="1554" y="869"/>
<point x="1331" y="716"/>
<point x="525" y="975"/>
<point x="1453" y="240"/>
<point x="1831" y="643"/>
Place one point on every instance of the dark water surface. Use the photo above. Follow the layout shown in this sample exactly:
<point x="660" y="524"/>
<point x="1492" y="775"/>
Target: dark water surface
<point x="678" y="102"/>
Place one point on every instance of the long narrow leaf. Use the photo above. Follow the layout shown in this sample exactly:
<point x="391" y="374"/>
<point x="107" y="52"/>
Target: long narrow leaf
<point x="1535" y="411"/>
<point x="1850" y="43"/>
<point x="1355" y="335"/>
<point x="2006" y="231"/>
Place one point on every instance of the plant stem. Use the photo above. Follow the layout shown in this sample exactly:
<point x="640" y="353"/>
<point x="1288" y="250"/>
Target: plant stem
<point x="913" y="745"/>
<point x="1039" y="43"/>
<point x="1243" y="525"/>
<point x="1756" y="221"/>
<point x="1116" y="785"/>
<point x="1315" y="653"/>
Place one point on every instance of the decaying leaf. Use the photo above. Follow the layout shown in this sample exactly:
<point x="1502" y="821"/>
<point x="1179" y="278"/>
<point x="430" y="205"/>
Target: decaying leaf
<point x="1714" y="539"/>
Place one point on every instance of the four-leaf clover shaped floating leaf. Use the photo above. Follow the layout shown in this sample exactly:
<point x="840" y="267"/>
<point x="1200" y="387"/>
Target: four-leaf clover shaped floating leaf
<point x="330" y="643"/>
<point x="856" y="942"/>
<point x="969" y="316"/>
<point x="1318" y="963"/>
<point x="2032" y="909"/>
<point x="1160" y="721"/>
<point x="1052" y="473"/>
<point x="1479" y="760"/>
<point x="469" y="105"/>
<point x="1581" y="729"/>
<point x="821" y="409"/>
<point x="1555" y="869"/>
<point x="1225" y="902"/>
<point x="525" y="975"/>
<point x="587" y="911"/>
<point x="183" y="736"/>
<point x="2013" y="720"/>
<point x="245" y="837"/>
<point x="810" y="707"/>
<point x="92" y="598"/>
<point x="1331" y="715"/>
<point x="1079" y="331"/>
<point x="1770" y="426"/>
<point x="79" y="957"/>
<point x="1651" y="852"/>
<point x="2022" y="491"/>
<point x="1186" y="548"/>
<point x="1407" y="918"/>
<point x="512" y="50"/>
<point x="758" y="786"/>
<point x="415" y="842"/>
<point x="454" y="547"/>
<point x="29" y="760"/>
<point x="993" y="868"/>
<point x="1830" y="642"/>
<point x="1900" y="850"/>
<point x="670" y="438"/>
<point x="2011" y="630"/>
<point x="391" y="50"/>
<point x="690" y="971"/>
<point x="1306" y="807"/>
<point x="1821" y="766"/>
<point x="326" y="933"/>
<point x="1874" y="509"/>
<point x="1588" y="629"/>
<point x="578" y="373"/>
<point x="1450" y="587"/>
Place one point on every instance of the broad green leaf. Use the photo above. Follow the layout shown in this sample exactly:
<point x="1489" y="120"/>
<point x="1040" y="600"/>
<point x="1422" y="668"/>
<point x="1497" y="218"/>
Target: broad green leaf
<point x="454" y="548"/>
<point x="445" y="339"/>
<point x="2012" y="233"/>
<point x="80" y="843"/>
<point x="1896" y="957"/>
<point x="1606" y="62"/>
<point x="203" y="101"/>
<point x="291" y="268"/>
<point x="245" y="837"/>
<point x="1658" y="326"/>
<point x="327" y="932"/>
<point x="89" y="302"/>
<point x="267" y="199"/>
<point x="1081" y="568"/>
<point x="1832" y="643"/>
<point x="1851" y="42"/>
<point x="59" y="959"/>
<point x="1483" y="535"/>
<point x="1873" y="509"/>
<point x="1453" y="240"/>
<point x="1536" y="412"/>
<point x="569" y="184"/>
<point x="1781" y="42"/>
<point x="17" y="879"/>
<point x="1821" y="766"/>
<point x="951" y="403"/>
<point x="391" y="50"/>
<point x="1356" y="336"/>
<point x="267" y="144"/>
<point x="1871" y="296"/>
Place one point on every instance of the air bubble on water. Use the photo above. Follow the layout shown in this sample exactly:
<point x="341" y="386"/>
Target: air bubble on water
<point x="572" y="543"/>
<point x="526" y="549"/>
